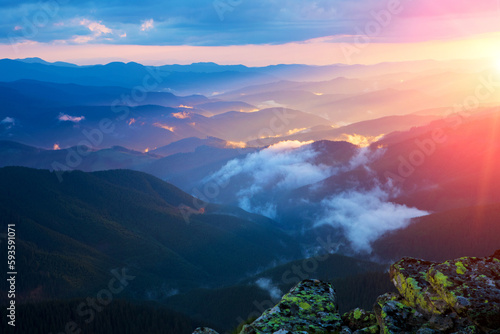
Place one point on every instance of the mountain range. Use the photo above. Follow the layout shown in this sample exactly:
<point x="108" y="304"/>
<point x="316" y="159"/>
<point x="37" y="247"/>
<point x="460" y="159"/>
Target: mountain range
<point x="216" y="188"/>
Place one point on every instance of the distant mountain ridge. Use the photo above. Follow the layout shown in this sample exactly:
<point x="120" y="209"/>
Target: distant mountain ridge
<point x="194" y="78"/>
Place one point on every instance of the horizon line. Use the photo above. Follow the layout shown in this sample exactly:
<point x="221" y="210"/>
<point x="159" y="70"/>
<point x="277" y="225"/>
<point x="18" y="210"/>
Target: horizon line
<point x="42" y="61"/>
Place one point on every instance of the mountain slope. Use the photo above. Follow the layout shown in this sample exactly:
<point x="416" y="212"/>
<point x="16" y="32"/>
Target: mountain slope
<point x="17" y="154"/>
<point x="187" y="145"/>
<point x="366" y="129"/>
<point x="448" y="164"/>
<point x="450" y="234"/>
<point x="84" y="222"/>
<point x="358" y="283"/>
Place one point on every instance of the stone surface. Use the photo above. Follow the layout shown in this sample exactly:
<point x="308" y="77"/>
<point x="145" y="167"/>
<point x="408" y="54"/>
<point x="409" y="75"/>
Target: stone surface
<point x="309" y="307"/>
<point x="204" y="330"/>
<point x="360" y="320"/>
<point x="410" y="278"/>
<point x="395" y="316"/>
<point x="471" y="286"/>
<point x="461" y="296"/>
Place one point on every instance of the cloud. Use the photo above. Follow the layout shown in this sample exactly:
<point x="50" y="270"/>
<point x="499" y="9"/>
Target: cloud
<point x="164" y="126"/>
<point x="281" y="167"/>
<point x="96" y="27"/>
<point x="365" y="216"/>
<point x="364" y="156"/>
<point x="8" y="120"/>
<point x="261" y="22"/>
<point x="68" y="118"/>
<point x="360" y="140"/>
<point x="181" y="115"/>
<point x="363" y="212"/>
<point x="8" y="123"/>
<point x="266" y="284"/>
<point x="147" y="25"/>
<point x="236" y="144"/>
<point x="197" y="22"/>
<point x="82" y="39"/>
<point x="97" y="31"/>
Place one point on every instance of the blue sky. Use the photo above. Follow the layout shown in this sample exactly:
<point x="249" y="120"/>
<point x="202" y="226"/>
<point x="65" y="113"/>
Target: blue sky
<point x="68" y="29"/>
<point x="206" y="22"/>
<point x="174" y="22"/>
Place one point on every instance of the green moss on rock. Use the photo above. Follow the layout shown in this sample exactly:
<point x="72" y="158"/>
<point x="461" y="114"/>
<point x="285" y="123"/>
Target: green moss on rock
<point x="309" y="307"/>
<point x="359" y="319"/>
<point x="410" y="278"/>
<point x="461" y="296"/>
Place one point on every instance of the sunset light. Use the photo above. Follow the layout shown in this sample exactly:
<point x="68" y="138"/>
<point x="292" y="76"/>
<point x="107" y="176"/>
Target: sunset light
<point x="164" y="126"/>
<point x="230" y="166"/>
<point x="181" y="115"/>
<point x="360" y="140"/>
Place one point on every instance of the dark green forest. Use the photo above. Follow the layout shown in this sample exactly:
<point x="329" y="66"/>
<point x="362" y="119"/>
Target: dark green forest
<point x="120" y="316"/>
<point x="71" y="236"/>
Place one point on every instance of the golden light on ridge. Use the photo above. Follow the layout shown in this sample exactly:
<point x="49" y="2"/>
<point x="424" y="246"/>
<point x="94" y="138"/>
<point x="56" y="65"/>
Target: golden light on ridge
<point x="236" y="144"/>
<point x="360" y="140"/>
<point x="164" y="126"/>
<point x="182" y="115"/>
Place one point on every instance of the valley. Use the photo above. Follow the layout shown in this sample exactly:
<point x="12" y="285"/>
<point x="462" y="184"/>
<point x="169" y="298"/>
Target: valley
<point x="218" y="188"/>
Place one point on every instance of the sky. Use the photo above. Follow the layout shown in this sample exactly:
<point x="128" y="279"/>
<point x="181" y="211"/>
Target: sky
<point x="257" y="32"/>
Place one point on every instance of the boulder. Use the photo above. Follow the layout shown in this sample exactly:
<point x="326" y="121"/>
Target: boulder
<point x="395" y="316"/>
<point x="461" y="295"/>
<point x="361" y="321"/>
<point x="471" y="286"/>
<point x="309" y="307"/>
<point x="410" y="278"/>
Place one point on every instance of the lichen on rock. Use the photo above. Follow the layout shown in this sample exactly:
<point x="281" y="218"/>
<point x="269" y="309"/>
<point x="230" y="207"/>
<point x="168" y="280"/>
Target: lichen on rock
<point x="410" y="278"/>
<point x="461" y="296"/>
<point x="309" y="307"/>
<point x="475" y="293"/>
<point x="395" y="316"/>
<point x="463" y="293"/>
<point x="361" y="321"/>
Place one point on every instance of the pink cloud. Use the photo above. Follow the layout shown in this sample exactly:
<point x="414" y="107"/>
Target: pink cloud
<point x="68" y="118"/>
<point x="315" y="52"/>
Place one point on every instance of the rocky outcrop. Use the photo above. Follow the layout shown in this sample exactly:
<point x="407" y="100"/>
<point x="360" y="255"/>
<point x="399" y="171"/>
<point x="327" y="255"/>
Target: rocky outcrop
<point x="361" y="321"/>
<point x="454" y="297"/>
<point x="459" y="294"/>
<point x="410" y="278"/>
<point x="310" y="307"/>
